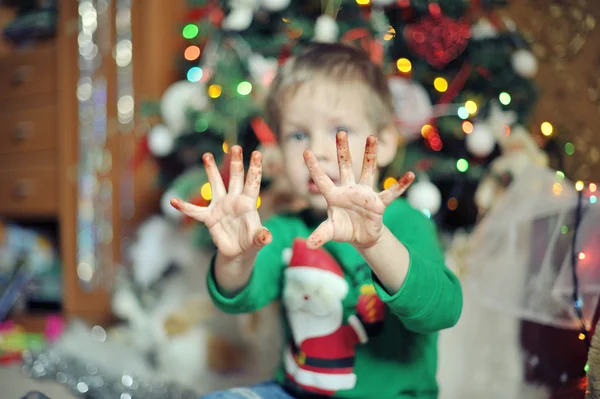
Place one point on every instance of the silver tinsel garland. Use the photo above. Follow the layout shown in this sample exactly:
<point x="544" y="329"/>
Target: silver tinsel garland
<point x="86" y="380"/>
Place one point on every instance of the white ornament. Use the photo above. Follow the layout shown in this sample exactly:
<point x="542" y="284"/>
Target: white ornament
<point x="238" y="19"/>
<point x="326" y="29"/>
<point x="177" y="100"/>
<point x="481" y="141"/>
<point x="160" y="140"/>
<point x="424" y="195"/>
<point x="483" y="29"/>
<point x="275" y="5"/>
<point x="167" y="208"/>
<point x="524" y="63"/>
<point x="412" y="105"/>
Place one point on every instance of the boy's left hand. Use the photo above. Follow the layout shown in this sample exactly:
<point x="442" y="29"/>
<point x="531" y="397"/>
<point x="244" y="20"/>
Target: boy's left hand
<point x="354" y="210"/>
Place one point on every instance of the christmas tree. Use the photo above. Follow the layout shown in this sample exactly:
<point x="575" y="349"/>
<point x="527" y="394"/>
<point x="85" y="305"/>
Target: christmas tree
<point x="460" y="74"/>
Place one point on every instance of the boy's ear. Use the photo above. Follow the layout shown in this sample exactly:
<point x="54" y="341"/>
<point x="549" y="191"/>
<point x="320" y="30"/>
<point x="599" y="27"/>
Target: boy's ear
<point x="387" y="146"/>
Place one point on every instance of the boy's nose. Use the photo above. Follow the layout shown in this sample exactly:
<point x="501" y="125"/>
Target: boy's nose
<point x="323" y="149"/>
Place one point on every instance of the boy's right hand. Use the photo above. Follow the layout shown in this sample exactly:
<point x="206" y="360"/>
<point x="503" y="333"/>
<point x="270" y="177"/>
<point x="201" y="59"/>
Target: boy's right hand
<point x="232" y="217"/>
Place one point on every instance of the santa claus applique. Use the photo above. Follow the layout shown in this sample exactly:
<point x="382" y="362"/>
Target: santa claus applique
<point x="320" y="358"/>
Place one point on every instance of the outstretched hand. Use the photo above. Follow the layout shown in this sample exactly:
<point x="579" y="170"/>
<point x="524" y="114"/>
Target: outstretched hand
<point x="354" y="210"/>
<point x="232" y="217"/>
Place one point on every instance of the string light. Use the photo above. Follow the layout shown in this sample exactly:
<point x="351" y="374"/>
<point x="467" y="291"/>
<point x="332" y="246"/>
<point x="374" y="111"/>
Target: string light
<point x="389" y="182"/>
<point x="192" y="53"/>
<point x="244" y="88"/>
<point x="504" y="98"/>
<point x="560" y="175"/>
<point x="581" y="256"/>
<point x="593" y="199"/>
<point x="579" y="185"/>
<point x="463" y="113"/>
<point x="564" y="229"/>
<point x="581" y="337"/>
<point x="190" y="31"/>
<point x="214" y="91"/>
<point x="206" y="191"/>
<point x="201" y="125"/>
<point x="557" y="188"/>
<point x="404" y="65"/>
<point x="593" y="187"/>
<point x="467" y="127"/>
<point x="440" y="84"/>
<point x="452" y="204"/>
<point x="194" y="74"/>
<point x="569" y="148"/>
<point x="391" y="33"/>
<point x="471" y="107"/>
<point x="427" y="130"/>
<point x="225" y="147"/>
<point x="462" y="165"/>
<point x="258" y="202"/>
<point x="547" y="128"/>
<point x="363" y="2"/>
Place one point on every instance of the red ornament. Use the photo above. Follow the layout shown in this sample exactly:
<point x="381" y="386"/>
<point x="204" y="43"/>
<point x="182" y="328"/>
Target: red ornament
<point x="438" y="39"/>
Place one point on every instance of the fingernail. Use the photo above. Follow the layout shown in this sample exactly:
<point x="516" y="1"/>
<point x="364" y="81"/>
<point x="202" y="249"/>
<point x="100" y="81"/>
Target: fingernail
<point x="176" y="203"/>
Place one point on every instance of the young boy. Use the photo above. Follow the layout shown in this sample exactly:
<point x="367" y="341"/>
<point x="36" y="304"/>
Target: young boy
<point x="360" y="274"/>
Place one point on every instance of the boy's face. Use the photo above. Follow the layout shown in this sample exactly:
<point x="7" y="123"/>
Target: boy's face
<point x="311" y="118"/>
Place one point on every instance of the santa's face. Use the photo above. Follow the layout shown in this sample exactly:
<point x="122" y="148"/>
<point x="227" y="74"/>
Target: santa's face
<point x="312" y="309"/>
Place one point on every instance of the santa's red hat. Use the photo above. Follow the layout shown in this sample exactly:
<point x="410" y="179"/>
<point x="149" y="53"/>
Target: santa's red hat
<point x="315" y="266"/>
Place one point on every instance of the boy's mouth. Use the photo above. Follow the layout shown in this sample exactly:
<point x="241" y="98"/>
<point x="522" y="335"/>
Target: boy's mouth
<point x="314" y="189"/>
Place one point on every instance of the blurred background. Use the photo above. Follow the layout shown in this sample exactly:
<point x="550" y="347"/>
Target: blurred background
<point x="106" y="107"/>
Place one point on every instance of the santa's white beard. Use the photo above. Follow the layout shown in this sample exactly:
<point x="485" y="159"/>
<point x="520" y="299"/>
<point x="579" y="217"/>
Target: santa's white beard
<point x="309" y="325"/>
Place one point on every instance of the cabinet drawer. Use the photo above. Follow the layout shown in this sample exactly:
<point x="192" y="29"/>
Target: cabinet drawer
<point x="28" y="73"/>
<point x="29" y="191"/>
<point x="28" y="130"/>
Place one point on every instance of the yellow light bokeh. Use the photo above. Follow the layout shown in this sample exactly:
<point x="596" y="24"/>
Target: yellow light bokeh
<point x="547" y="128"/>
<point x="440" y="84"/>
<point x="389" y="182"/>
<point x="404" y="65"/>
<point x="557" y="188"/>
<point x="390" y="34"/>
<point x="581" y="256"/>
<point x="206" y="191"/>
<point x="426" y="130"/>
<point x="363" y="2"/>
<point x="225" y="147"/>
<point x="579" y="185"/>
<point x="214" y="91"/>
<point x="471" y="107"/>
<point x="581" y="336"/>
<point x="593" y="187"/>
<point x="258" y="202"/>
<point x="467" y="127"/>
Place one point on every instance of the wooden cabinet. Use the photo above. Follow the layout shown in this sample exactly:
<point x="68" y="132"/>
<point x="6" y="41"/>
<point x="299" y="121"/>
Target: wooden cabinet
<point x="39" y="136"/>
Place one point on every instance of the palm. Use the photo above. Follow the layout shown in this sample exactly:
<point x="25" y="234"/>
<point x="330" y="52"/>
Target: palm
<point x="231" y="218"/>
<point x="354" y="210"/>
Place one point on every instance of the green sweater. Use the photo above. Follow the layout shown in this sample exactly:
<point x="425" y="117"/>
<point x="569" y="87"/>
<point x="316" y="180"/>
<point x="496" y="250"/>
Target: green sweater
<point x="346" y="336"/>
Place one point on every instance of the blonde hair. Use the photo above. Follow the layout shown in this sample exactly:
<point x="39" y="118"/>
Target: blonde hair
<point x="338" y="63"/>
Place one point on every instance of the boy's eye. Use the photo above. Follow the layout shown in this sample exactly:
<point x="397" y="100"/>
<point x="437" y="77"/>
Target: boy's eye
<point x="300" y="135"/>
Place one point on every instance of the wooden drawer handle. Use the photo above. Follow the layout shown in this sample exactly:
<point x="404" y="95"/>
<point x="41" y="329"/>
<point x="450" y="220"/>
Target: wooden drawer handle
<point x="22" y="131"/>
<point x="21" y="75"/>
<point x="23" y="188"/>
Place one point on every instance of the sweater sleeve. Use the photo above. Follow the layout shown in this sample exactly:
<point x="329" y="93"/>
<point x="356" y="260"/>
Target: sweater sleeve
<point x="266" y="279"/>
<point x="430" y="298"/>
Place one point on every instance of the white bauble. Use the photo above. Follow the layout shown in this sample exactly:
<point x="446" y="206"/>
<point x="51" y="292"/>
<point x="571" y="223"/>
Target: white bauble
<point x="326" y="29"/>
<point x="160" y="140"/>
<point x="167" y="208"/>
<point x="177" y="99"/>
<point x="483" y="29"/>
<point x="383" y="2"/>
<point x="262" y="69"/>
<point x="238" y="19"/>
<point x="275" y="5"/>
<point x="481" y="141"/>
<point x="412" y="105"/>
<point x="524" y="63"/>
<point x="424" y="195"/>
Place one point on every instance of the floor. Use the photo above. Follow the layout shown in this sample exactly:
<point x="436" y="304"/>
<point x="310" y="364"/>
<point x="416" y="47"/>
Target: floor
<point x="15" y="385"/>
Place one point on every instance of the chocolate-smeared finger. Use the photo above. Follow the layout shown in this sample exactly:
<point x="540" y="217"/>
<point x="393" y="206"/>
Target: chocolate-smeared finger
<point x="262" y="237"/>
<point x="236" y="172"/>
<point x="369" y="167"/>
<point x="344" y="158"/>
<point x="389" y="195"/>
<point x="195" y="212"/>
<point x="214" y="176"/>
<point x="322" y="235"/>
<point x="253" y="179"/>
